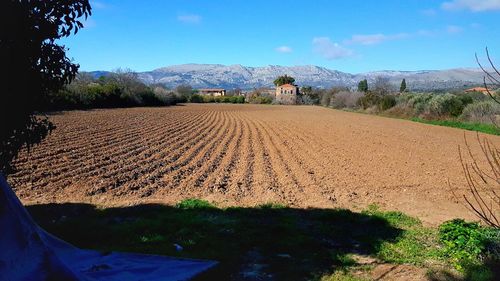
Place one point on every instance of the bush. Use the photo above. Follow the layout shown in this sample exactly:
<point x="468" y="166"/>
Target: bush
<point x="481" y="112"/>
<point x="386" y="102"/>
<point x="368" y="100"/>
<point x="261" y="100"/>
<point x="209" y="99"/>
<point x="164" y="96"/>
<point x="416" y="101"/>
<point x="326" y="98"/>
<point x="196" y="98"/>
<point x="215" y="99"/>
<point x="477" y="96"/>
<point x="445" y="105"/>
<point x="464" y="242"/>
<point x="189" y="204"/>
<point x="401" y="110"/>
<point x="465" y="99"/>
<point x="345" y="99"/>
<point x="117" y="90"/>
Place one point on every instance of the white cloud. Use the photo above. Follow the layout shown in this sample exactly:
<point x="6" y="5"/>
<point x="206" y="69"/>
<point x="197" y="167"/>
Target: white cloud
<point x="193" y="19"/>
<point x="472" y="5"/>
<point x="330" y="50"/>
<point x="453" y="29"/>
<point x="372" y="39"/>
<point x="284" y="49"/>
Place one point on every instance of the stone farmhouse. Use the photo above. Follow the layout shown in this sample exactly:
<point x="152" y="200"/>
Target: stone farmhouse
<point x="287" y="94"/>
<point x="212" y="92"/>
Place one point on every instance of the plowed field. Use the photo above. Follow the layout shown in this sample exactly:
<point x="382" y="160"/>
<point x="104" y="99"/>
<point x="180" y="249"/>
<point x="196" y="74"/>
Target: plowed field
<point x="246" y="155"/>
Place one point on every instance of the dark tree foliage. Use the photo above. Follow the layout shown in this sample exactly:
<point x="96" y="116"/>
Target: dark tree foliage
<point x="33" y="65"/>
<point x="402" y="88"/>
<point x="363" y="86"/>
<point x="282" y="80"/>
<point x="306" y="90"/>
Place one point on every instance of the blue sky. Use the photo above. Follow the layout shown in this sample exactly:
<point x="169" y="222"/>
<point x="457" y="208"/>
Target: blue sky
<point x="351" y="36"/>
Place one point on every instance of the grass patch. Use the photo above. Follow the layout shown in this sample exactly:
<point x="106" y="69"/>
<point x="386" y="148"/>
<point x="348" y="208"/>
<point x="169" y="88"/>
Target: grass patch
<point x="396" y="219"/>
<point x="416" y="245"/>
<point x="477" y="127"/>
<point x="483" y="128"/>
<point x="290" y="244"/>
<point x="272" y="206"/>
<point x="189" y="204"/>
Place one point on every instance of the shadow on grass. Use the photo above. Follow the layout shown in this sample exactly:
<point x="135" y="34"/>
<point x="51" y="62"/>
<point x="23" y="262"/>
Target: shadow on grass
<point x="269" y="242"/>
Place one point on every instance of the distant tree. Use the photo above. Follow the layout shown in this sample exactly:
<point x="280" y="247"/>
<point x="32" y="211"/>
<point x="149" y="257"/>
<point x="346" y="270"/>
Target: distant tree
<point x="234" y="92"/>
<point x="402" y="88"/>
<point x="381" y="86"/>
<point x="184" y="90"/>
<point x="363" y="86"/>
<point x="36" y="65"/>
<point x="306" y="90"/>
<point x="282" y="80"/>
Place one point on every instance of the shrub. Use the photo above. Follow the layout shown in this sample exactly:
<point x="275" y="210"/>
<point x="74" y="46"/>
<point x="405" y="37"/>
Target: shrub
<point x="196" y="98"/>
<point x="465" y="99"/>
<point x="192" y="203"/>
<point x="345" y="99"/>
<point x="117" y="90"/>
<point x="234" y="99"/>
<point x="463" y="242"/>
<point x="386" y="102"/>
<point x="477" y="96"/>
<point x="209" y="99"/>
<point x="261" y="100"/>
<point x="481" y="112"/>
<point x="164" y="96"/>
<point x="224" y="99"/>
<point x="368" y="100"/>
<point x="326" y="98"/>
<point x="237" y="99"/>
<point x="401" y="110"/>
<point x="417" y="101"/>
<point x="445" y="105"/>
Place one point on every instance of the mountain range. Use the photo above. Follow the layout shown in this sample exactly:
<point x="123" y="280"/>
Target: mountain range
<point x="244" y="77"/>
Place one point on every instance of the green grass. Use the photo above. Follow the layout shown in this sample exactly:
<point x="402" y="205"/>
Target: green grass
<point x="194" y="203"/>
<point x="416" y="245"/>
<point x="293" y="244"/>
<point x="477" y="127"/>
<point x="272" y="206"/>
<point x="483" y="128"/>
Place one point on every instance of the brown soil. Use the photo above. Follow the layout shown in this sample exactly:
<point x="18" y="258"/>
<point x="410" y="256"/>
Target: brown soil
<point x="302" y="156"/>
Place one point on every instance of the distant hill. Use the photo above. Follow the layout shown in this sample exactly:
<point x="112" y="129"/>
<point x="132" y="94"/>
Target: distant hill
<point x="238" y="76"/>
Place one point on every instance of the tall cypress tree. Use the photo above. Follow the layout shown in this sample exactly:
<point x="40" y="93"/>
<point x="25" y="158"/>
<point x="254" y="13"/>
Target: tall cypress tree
<point x="403" y="86"/>
<point x="363" y="86"/>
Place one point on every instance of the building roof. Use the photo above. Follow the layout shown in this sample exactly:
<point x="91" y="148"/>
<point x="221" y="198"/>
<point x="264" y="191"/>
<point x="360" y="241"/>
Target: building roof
<point x="213" y="89"/>
<point x="288" y="86"/>
<point x="477" y="89"/>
